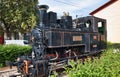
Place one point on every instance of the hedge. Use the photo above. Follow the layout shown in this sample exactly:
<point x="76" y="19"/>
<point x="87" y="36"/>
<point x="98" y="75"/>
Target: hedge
<point x="11" y="52"/>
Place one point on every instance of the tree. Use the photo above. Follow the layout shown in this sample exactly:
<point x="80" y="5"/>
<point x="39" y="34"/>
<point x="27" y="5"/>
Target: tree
<point x="17" y="15"/>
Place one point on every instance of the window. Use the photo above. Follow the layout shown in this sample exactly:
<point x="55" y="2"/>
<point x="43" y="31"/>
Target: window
<point x="8" y="36"/>
<point x="99" y="24"/>
<point x="16" y="36"/>
<point x="101" y="27"/>
<point x="74" y="24"/>
<point x="88" y="24"/>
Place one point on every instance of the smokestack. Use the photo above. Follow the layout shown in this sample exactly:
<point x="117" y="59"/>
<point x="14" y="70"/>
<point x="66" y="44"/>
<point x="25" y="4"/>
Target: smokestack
<point x="43" y="15"/>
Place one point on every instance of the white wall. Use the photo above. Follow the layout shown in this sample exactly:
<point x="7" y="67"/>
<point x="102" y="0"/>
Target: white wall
<point x="18" y="42"/>
<point x="112" y="15"/>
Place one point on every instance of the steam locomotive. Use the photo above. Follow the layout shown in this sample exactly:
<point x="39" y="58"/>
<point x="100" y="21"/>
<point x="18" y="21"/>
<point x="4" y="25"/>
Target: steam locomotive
<point x="56" y="41"/>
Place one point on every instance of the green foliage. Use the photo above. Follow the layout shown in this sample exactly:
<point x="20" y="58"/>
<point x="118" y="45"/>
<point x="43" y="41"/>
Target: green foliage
<point x="11" y="52"/>
<point x="55" y="74"/>
<point x="18" y="15"/>
<point x="107" y="66"/>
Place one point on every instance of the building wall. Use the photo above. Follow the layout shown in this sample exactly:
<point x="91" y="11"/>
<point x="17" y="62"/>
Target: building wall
<point x="14" y="38"/>
<point x="112" y="15"/>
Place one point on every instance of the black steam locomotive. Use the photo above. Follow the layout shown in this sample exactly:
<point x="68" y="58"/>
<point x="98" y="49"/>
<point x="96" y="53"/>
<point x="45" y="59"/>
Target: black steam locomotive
<point x="55" y="41"/>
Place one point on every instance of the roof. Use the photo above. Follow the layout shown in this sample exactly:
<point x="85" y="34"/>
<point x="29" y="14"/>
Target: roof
<point x="103" y="6"/>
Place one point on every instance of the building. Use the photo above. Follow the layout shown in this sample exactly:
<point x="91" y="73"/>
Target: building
<point x="111" y="12"/>
<point x="12" y="38"/>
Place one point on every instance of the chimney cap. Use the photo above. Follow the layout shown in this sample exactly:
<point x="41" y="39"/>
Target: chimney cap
<point x="43" y="7"/>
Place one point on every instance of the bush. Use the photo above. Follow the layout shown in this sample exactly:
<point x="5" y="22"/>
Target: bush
<point x="107" y="66"/>
<point x="11" y="52"/>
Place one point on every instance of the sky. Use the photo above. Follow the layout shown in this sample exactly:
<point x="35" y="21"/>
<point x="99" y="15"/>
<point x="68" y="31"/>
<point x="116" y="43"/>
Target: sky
<point x="74" y="7"/>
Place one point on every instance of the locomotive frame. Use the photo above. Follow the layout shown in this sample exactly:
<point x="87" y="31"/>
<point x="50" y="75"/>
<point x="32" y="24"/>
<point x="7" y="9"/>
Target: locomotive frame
<point x="55" y="41"/>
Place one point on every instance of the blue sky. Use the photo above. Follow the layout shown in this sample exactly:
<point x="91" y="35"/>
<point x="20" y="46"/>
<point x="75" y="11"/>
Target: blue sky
<point x="74" y="7"/>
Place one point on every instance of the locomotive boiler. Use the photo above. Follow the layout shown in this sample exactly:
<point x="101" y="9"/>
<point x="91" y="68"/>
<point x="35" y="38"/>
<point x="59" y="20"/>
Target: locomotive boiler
<point x="56" y="41"/>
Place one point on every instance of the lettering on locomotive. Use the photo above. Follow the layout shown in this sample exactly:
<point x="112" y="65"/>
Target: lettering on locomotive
<point x="77" y="38"/>
<point x="94" y="46"/>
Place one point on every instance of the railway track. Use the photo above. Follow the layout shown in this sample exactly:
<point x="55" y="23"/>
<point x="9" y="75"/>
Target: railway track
<point x="6" y="71"/>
